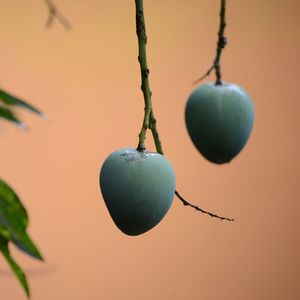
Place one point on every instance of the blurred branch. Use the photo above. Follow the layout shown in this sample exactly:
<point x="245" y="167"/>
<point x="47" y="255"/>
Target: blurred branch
<point x="54" y="13"/>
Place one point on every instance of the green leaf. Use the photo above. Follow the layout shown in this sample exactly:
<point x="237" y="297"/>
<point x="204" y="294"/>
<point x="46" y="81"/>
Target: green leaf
<point x="25" y="244"/>
<point x="9" y="99"/>
<point x="4" y="232"/>
<point x="14" y="218"/>
<point x="8" y="115"/>
<point x="14" y="266"/>
<point x="13" y="214"/>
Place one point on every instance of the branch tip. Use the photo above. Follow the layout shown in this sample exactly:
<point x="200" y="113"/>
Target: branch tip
<point x="186" y="203"/>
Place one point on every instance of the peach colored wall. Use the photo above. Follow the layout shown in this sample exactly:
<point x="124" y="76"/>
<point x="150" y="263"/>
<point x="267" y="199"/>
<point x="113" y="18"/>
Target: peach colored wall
<point x="87" y="81"/>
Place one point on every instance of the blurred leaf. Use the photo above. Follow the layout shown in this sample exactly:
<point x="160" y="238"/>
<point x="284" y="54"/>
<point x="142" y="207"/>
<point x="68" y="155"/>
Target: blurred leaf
<point x="14" y="218"/>
<point x="8" y="115"/>
<point x="4" y="232"/>
<point x="13" y="214"/>
<point x="9" y="99"/>
<point x="14" y="266"/>
<point x="25" y="244"/>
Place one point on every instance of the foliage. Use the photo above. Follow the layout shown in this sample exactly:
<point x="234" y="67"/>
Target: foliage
<point x="7" y="104"/>
<point x="14" y="219"/>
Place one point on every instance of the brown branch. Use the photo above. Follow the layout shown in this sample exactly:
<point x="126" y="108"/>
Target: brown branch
<point x="186" y="203"/>
<point x="54" y="13"/>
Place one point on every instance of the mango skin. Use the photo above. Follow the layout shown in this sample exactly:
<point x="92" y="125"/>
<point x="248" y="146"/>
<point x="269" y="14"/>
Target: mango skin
<point x="138" y="189"/>
<point x="219" y="119"/>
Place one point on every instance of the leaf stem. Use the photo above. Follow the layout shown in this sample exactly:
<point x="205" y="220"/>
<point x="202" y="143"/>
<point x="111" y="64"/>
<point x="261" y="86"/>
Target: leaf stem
<point x="221" y="43"/>
<point x="149" y="121"/>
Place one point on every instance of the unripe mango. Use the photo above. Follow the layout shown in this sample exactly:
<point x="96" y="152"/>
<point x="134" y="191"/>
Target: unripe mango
<point x="138" y="189"/>
<point x="219" y="119"/>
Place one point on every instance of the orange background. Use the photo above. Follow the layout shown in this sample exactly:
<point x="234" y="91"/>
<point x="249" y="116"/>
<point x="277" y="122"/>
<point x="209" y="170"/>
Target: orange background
<point x="87" y="81"/>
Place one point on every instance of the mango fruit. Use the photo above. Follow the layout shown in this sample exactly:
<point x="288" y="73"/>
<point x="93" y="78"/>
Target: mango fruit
<point x="219" y="120"/>
<point x="138" y="188"/>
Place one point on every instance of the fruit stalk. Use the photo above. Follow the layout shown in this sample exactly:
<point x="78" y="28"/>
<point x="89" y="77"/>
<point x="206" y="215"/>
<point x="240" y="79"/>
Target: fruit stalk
<point x="221" y="43"/>
<point x="142" y="57"/>
<point x="149" y="121"/>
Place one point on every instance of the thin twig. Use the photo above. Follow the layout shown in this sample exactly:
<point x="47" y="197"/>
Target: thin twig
<point x="186" y="203"/>
<point x="149" y="121"/>
<point x="54" y="13"/>
<point x="221" y="43"/>
<point x="205" y="75"/>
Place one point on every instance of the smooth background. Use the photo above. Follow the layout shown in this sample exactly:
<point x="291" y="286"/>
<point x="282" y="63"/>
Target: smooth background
<point x="87" y="81"/>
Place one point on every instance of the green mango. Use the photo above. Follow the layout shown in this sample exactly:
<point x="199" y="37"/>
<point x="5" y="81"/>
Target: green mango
<point x="138" y="188"/>
<point x="219" y="120"/>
